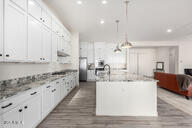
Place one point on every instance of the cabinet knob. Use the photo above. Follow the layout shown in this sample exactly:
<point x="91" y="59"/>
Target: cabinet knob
<point x="20" y="110"/>
<point x="7" y="55"/>
<point x="40" y="18"/>
<point x="40" y="58"/>
<point x="43" y="20"/>
<point x="43" y="58"/>
<point x="1" y="54"/>
<point x="25" y="107"/>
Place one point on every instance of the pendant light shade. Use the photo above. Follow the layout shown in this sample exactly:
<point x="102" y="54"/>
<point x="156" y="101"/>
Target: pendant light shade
<point x="126" y="44"/>
<point x="117" y="49"/>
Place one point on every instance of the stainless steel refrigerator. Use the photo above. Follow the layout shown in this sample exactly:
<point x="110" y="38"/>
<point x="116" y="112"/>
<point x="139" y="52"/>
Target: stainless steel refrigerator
<point x="83" y="69"/>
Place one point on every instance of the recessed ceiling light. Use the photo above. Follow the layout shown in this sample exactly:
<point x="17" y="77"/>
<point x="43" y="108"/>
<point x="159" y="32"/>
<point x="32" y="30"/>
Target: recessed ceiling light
<point x="102" y="21"/>
<point x="79" y="2"/>
<point x="169" y="30"/>
<point x="104" y="1"/>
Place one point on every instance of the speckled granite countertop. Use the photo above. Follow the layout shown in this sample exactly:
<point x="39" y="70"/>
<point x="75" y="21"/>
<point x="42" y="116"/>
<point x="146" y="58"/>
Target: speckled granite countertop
<point x="9" y="91"/>
<point x="121" y="77"/>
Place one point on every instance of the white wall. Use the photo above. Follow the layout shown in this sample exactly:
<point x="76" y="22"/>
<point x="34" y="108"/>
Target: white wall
<point x="185" y="52"/>
<point x="15" y="70"/>
<point x="163" y="56"/>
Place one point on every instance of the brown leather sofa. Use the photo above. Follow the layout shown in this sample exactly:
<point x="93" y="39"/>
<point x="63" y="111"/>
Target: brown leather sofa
<point x="169" y="81"/>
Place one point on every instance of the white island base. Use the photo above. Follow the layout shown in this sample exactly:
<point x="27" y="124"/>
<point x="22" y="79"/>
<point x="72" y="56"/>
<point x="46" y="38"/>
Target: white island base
<point x="137" y="98"/>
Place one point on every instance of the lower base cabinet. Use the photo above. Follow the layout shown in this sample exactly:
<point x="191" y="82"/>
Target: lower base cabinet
<point x="15" y="115"/>
<point x="27" y="115"/>
<point x="30" y="113"/>
<point x="46" y="102"/>
<point x="56" y="95"/>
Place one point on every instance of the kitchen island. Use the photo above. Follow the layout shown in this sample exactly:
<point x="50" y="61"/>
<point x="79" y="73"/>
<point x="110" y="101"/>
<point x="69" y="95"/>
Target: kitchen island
<point x="125" y="94"/>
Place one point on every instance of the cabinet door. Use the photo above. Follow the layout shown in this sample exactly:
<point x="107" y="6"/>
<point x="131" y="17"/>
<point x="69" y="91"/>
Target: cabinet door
<point x="34" y="40"/>
<point x="34" y="9"/>
<point x="54" y="47"/>
<point x="1" y="30"/>
<point x="21" y="3"/>
<point x="59" y="45"/>
<point x="15" y="115"/>
<point x="90" y="53"/>
<point x="83" y="50"/>
<point x="46" y="40"/>
<point x="32" y="112"/>
<point x="15" y="35"/>
<point x="57" y="95"/>
<point x="63" y="92"/>
<point x="46" y="18"/>
<point x="46" y="102"/>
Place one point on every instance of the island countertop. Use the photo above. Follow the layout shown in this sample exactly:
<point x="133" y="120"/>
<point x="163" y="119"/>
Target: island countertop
<point x="121" y="77"/>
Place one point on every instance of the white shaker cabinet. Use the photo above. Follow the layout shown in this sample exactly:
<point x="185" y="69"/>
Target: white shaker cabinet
<point x="56" y="96"/>
<point x="46" y="18"/>
<point x="15" y="33"/>
<point x="55" y="39"/>
<point x="34" y="9"/>
<point x="15" y="114"/>
<point x="1" y="30"/>
<point x="46" y="44"/>
<point x="32" y="112"/>
<point x="34" y="40"/>
<point x="46" y="101"/>
<point x="21" y="3"/>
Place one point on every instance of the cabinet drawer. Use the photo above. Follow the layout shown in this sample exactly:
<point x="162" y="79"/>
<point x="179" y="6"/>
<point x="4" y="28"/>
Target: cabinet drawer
<point x="17" y="100"/>
<point x="46" y="87"/>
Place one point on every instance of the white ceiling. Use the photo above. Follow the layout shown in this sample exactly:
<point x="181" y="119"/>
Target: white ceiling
<point x="148" y="19"/>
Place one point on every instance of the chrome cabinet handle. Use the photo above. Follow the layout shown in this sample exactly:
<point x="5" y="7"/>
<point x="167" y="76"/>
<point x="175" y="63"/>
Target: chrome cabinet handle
<point x="3" y="107"/>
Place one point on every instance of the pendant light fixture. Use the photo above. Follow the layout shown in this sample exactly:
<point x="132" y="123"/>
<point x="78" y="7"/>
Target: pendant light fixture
<point x="117" y="49"/>
<point x="126" y="44"/>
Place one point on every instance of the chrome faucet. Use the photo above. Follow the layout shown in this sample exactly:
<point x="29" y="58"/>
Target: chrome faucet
<point x="108" y="67"/>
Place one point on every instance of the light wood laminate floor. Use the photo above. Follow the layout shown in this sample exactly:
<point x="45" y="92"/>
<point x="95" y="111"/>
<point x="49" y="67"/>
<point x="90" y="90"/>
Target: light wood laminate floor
<point x="77" y="110"/>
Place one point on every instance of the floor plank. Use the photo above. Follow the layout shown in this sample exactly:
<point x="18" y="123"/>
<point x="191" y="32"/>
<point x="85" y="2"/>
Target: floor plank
<point x="77" y="110"/>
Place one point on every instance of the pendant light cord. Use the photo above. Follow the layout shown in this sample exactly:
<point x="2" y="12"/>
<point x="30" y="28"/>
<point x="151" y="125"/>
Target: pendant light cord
<point x="117" y="36"/>
<point x="126" y="34"/>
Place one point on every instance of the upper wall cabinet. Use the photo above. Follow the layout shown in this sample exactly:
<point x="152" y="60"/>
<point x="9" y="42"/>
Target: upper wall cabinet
<point x="39" y="13"/>
<point x="46" y="43"/>
<point x="34" y="40"/>
<point x="34" y="9"/>
<point x="15" y="33"/>
<point x="26" y="32"/>
<point x="1" y="30"/>
<point x="20" y="3"/>
<point x="46" y="18"/>
<point x="55" y="40"/>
